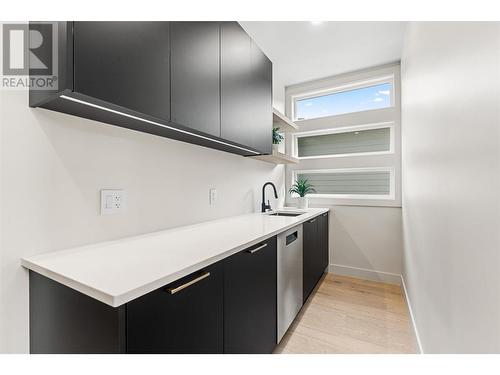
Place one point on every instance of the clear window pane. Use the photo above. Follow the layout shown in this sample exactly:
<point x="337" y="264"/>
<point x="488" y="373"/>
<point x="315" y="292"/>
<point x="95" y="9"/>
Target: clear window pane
<point x="357" y="100"/>
<point x="352" y="183"/>
<point x="372" y="140"/>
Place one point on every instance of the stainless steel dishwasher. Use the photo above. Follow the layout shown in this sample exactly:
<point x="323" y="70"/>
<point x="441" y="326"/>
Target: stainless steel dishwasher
<point x="289" y="278"/>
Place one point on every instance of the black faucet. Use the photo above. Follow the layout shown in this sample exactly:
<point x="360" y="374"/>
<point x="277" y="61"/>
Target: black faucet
<point x="268" y="205"/>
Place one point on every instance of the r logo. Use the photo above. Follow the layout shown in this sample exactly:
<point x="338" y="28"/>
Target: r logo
<point x="28" y="50"/>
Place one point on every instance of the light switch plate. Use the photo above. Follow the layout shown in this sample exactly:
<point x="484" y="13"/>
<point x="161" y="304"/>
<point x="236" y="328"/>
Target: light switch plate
<point x="112" y="201"/>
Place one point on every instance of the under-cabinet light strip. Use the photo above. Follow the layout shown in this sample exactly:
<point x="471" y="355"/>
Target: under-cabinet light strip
<point x="154" y="123"/>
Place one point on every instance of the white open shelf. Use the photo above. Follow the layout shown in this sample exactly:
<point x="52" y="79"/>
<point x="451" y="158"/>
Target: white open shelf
<point x="284" y="123"/>
<point x="277" y="158"/>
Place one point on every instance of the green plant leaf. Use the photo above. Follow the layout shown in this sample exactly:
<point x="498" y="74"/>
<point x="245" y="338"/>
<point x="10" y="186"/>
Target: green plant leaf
<point x="277" y="137"/>
<point x="302" y="187"/>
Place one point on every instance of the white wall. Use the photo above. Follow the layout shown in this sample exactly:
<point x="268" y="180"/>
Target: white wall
<point x="366" y="242"/>
<point x="451" y="184"/>
<point x="53" y="166"/>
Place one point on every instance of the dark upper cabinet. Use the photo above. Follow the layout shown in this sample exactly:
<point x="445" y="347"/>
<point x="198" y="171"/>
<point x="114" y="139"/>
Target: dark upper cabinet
<point x="236" y="82"/>
<point x="246" y="90"/>
<point x="195" y="83"/>
<point x="124" y="63"/>
<point x="205" y="83"/>
<point x="262" y="100"/>
<point x="250" y="300"/>
<point x="315" y="252"/>
<point x="183" y="317"/>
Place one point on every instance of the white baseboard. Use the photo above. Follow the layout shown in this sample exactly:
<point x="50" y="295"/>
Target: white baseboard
<point x="413" y="324"/>
<point x="364" y="273"/>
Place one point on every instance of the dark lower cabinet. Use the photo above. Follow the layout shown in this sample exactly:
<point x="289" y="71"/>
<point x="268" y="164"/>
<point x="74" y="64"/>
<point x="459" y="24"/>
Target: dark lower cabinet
<point x="64" y="321"/>
<point x="310" y="257"/>
<point x="250" y="301"/>
<point x="323" y="230"/>
<point x="183" y="317"/>
<point x="315" y="252"/>
<point x="227" y="307"/>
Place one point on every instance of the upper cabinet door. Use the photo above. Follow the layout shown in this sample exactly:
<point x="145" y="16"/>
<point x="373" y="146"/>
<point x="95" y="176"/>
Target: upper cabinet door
<point x="262" y="100"/>
<point x="246" y="87"/>
<point x="124" y="63"/>
<point x="195" y="75"/>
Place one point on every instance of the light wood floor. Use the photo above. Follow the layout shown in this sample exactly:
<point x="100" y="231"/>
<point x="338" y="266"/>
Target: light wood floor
<point x="348" y="315"/>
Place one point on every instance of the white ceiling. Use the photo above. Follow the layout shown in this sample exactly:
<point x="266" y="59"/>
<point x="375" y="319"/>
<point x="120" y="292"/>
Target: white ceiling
<point x="303" y="51"/>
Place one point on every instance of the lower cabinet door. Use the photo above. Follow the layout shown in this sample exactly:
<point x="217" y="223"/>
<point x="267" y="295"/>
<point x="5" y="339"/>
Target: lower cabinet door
<point x="183" y="317"/>
<point x="323" y="229"/>
<point x="311" y="256"/>
<point x="315" y="252"/>
<point x="250" y="300"/>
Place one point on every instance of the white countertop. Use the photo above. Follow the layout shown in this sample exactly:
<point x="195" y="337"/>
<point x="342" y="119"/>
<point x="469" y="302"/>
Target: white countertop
<point x="117" y="272"/>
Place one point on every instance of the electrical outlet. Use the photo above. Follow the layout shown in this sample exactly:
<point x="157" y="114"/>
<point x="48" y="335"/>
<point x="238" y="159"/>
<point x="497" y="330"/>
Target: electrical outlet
<point x="112" y="201"/>
<point x="212" y="196"/>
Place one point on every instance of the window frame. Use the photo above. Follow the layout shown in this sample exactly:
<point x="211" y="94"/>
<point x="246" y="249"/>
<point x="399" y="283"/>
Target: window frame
<point x="392" y="182"/>
<point x="345" y="129"/>
<point x="353" y="120"/>
<point x="354" y="85"/>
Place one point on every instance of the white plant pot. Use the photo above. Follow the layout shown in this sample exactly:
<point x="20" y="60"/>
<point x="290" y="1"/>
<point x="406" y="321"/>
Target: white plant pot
<point x="302" y="202"/>
<point x="279" y="147"/>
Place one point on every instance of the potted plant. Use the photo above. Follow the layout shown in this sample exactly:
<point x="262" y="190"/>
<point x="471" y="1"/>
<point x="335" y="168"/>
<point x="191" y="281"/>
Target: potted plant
<point x="277" y="138"/>
<point x="302" y="187"/>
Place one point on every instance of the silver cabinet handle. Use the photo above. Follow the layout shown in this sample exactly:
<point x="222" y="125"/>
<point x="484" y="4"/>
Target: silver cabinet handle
<point x="257" y="248"/>
<point x="188" y="284"/>
<point x="312" y="221"/>
<point x="325" y="214"/>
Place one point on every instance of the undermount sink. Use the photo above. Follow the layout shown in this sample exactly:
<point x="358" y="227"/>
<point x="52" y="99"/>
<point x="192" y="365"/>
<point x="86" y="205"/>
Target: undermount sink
<point x="293" y="214"/>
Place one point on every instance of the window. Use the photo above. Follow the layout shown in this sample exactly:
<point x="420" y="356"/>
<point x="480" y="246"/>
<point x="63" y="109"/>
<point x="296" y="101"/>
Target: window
<point x="338" y="143"/>
<point x="354" y="159"/>
<point x="351" y="183"/>
<point x="341" y="102"/>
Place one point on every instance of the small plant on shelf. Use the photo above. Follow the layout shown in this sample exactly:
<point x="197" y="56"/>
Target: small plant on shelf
<point x="277" y="137"/>
<point x="302" y="187"/>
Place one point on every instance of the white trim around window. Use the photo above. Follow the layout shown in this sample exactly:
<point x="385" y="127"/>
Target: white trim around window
<point x="345" y="162"/>
<point x="347" y="129"/>
<point x="392" y="182"/>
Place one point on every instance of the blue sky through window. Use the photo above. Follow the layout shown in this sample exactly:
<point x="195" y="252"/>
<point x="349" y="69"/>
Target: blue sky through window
<point x="363" y="99"/>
